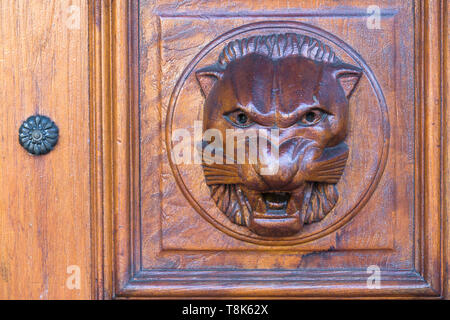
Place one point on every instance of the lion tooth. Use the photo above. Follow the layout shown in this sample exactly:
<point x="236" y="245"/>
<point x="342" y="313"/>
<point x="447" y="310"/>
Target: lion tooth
<point x="256" y="200"/>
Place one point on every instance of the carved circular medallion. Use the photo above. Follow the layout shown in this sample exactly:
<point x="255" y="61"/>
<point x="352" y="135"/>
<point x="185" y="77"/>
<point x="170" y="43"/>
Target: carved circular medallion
<point x="318" y="93"/>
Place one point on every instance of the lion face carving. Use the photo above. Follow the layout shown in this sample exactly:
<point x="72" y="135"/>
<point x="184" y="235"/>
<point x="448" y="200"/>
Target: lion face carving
<point x="295" y="84"/>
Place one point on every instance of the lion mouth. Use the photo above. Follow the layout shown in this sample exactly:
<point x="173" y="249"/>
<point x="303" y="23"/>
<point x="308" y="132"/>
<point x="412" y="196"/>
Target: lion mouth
<point x="276" y="201"/>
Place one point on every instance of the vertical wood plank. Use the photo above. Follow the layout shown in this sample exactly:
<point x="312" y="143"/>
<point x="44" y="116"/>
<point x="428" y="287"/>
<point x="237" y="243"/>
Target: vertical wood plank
<point x="100" y="92"/>
<point x="44" y="201"/>
<point x="432" y="172"/>
<point x="121" y="132"/>
<point x="446" y="138"/>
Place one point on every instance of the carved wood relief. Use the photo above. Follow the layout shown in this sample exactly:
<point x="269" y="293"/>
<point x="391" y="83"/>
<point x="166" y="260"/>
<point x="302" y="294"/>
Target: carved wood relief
<point x="287" y="81"/>
<point x="292" y="82"/>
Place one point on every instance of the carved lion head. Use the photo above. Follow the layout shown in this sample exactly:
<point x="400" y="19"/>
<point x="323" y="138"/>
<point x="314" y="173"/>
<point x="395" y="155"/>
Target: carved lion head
<point x="295" y="84"/>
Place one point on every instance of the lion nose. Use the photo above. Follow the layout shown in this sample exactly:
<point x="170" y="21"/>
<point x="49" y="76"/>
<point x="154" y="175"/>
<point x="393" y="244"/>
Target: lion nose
<point x="284" y="160"/>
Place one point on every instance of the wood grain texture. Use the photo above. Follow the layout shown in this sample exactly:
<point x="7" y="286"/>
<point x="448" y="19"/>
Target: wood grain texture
<point x="44" y="201"/>
<point x="446" y="138"/>
<point x="143" y="266"/>
<point x="432" y="172"/>
<point x="105" y="200"/>
<point x="101" y="171"/>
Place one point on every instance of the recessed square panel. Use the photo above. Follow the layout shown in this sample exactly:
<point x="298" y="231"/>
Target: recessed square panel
<point x="365" y="219"/>
<point x="350" y="189"/>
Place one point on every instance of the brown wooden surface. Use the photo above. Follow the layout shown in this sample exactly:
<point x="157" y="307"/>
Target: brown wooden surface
<point x="106" y="199"/>
<point x="44" y="201"/>
<point x="155" y="246"/>
<point x="446" y="137"/>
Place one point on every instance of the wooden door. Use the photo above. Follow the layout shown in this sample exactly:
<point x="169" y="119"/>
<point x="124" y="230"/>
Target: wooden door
<point x="338" y="111"/>
<point x="44" y="202"/>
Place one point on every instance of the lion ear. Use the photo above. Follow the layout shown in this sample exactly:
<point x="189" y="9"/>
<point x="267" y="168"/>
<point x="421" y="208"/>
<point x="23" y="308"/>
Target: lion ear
<point x="348" y="76"/>
<point x="207" y="76"/>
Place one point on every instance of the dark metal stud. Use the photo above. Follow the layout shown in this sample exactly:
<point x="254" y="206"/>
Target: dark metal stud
<point x="38" y="135"/>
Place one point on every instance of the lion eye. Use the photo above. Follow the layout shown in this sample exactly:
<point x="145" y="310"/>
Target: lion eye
<point x="242" y="118"/>
<point x="312" y="117"/>
<point x="239" y="119"/>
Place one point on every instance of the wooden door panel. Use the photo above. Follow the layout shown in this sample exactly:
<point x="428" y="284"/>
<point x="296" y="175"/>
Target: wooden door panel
<point x="165" y="231"/>
<point x="124" y="207"/>
<point x="45" y="236"/>
<point x="201" y="236"/>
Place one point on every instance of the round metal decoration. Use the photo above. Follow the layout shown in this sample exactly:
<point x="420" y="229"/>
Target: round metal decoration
<point x="38" y="135"/>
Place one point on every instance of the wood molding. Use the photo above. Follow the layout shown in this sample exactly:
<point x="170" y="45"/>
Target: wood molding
<point x="432" y="148"/>
<point x="446" y="138"/>
<point x="115" y="183"/>
<point x="101" y="140"/>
